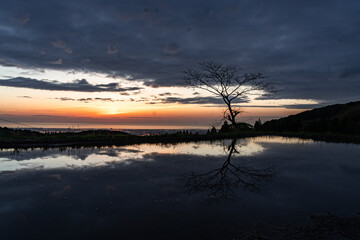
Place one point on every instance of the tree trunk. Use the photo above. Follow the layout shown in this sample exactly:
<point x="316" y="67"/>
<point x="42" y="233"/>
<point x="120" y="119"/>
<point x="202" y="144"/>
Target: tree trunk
<point x="231" y="116"/>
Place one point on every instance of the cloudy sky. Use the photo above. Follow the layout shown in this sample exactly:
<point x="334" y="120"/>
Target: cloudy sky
<point x="121" y="62"/>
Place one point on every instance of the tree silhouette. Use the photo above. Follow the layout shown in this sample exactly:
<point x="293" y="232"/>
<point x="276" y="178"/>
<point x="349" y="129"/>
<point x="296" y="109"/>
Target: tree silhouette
<point x="221" y="181"/>
<point x="257" y="124"/>
<point x="227" y="82"/>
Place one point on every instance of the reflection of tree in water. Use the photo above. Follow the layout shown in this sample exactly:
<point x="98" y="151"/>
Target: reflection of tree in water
<point x="221" y="182"/>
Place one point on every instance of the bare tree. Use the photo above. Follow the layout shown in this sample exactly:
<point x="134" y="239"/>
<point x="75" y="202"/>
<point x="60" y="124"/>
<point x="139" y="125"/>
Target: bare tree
<point x="227" y="82"/>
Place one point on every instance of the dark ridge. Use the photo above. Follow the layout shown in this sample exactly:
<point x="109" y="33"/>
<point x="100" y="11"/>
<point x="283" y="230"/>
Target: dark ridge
<point x="338" y="118"/>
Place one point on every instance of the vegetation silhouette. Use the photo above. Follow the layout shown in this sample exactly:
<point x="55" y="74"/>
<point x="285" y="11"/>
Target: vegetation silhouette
<point x="221" y="182"/>
<point x="338" y="119"/>
<point x="229" y="83"/>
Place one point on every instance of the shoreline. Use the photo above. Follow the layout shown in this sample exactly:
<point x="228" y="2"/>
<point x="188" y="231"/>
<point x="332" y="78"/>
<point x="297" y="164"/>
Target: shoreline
<point x="127" y="139"/>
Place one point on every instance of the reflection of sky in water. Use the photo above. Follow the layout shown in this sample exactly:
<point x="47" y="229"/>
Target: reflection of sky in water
<point x="82" y="157"/>
<point x="167" y="191"/>
<point x="11" y="160"/>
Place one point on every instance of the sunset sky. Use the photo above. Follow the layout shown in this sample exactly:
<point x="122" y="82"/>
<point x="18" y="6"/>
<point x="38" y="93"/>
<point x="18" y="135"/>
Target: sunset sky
<point x="120" y="64"/>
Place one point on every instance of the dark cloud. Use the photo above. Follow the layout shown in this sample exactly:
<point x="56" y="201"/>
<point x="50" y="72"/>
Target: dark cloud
<point x="195" y="100"/>
<point x="111" y="49"/>
<point x="62" y="45"/>
<point x="57" y="62"/>
<point x="310" y="48"/>
<point x="45" y="115"/>
<point x="66" y="99"/>
<point x="152" y="84"/>
<point x="76" y="85"/>
<point x="24" y="97"/>
<point x="350" y="72"/>
<point x="167" y="94"/>
<point x="172" y="48"/>
<point x="23" y="19"/>
<point x="144" y="117"/>
<point x="7" y="64"/>
<point x="302" y="106"/>
<point x="259" y="106"/>
<point x="86" y="100"/>
<point x="105" y="99"/>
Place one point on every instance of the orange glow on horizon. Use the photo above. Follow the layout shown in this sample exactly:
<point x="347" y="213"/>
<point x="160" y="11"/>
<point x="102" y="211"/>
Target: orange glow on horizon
<point x="148" y="107"/>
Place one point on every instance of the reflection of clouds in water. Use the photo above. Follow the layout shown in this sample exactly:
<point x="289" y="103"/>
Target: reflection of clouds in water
<point x="246" y="147"/>
<point x="53" y="159"/>
<point x="276" y="139"/>
<point x="11" y="160"/>
<point x="250" y="149"/>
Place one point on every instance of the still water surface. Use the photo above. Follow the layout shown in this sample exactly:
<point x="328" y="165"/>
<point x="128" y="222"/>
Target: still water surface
<point x="203" y="190"/>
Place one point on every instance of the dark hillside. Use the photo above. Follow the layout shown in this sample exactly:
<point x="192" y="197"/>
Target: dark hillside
<point x="339" y="118"/>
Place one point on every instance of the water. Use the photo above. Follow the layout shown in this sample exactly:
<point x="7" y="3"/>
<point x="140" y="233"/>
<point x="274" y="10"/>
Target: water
<point x="204" y="190"/>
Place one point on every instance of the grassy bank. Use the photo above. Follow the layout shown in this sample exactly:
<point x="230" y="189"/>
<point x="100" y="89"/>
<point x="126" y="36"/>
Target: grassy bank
<point x="107" y="138"/>
<point x="10" y="138"/>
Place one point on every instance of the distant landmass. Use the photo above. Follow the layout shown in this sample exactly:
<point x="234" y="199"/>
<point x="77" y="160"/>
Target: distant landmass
<point x="339" y="123"/>
<point x="338" y="118"/>
<point x="10" y="132"/>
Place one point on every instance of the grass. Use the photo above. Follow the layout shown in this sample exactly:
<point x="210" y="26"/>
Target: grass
<point x="10" y="138"/>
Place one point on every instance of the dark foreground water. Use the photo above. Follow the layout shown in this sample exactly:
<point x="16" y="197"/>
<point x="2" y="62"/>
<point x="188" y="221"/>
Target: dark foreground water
<point x="233" y="189"/>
